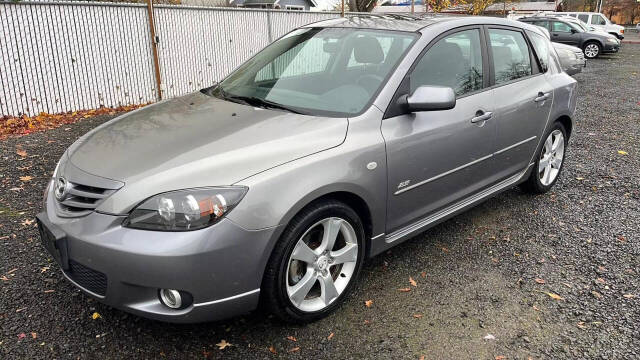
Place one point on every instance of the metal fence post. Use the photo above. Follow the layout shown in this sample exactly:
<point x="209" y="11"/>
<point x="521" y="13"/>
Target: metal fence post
<point x="269" y="26"/>
<point x="154" y="49"/>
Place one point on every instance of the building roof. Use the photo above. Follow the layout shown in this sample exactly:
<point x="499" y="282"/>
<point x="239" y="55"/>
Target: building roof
<point x="523" y="6"/>
<point x="401" y="22"/>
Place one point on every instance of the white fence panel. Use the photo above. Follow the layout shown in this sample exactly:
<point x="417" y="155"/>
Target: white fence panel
<point x="65" y="56"/>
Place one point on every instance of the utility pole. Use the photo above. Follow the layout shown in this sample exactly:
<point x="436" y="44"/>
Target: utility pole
<point x="412" y="5"/>
<point x="154" y="49"/>
<point x="342" y="9"/>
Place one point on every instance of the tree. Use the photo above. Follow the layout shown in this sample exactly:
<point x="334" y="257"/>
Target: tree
<point x="361" y="5"/>
<point x="477" y="7"/>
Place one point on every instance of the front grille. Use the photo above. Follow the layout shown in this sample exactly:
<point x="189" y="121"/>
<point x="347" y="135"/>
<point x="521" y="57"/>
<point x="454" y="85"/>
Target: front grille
<point x="90" y="279"/>
<point x="82" y="199"/>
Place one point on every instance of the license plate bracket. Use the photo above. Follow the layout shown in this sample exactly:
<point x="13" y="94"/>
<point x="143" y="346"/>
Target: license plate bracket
<point x="54" y="240"/>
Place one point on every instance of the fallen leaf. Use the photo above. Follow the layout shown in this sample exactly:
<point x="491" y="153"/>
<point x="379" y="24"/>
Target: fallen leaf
<point x="404" y="289"/>
<point x="34" y="335"/>
<point x="295" y="349"/>
<point x="272" y="349"/>
<point x="223" y="344"/>
<point x="50" y="291"/>
<point x="291" y="338"/>
<point x="4" y="278"/>
<point x="95" y="316"/>
<point x="27" y="222"/>
<point x="581" y="325"/>
<point x="26" y="178"/>
<point x="417" y="316"/>
<point x="12" y="271"/>
<point x="368" y="303"/>
<point x="540" y="281"/>
<point x="423" y="274"/>
<point x="501" y="357"/>
<point x="622" y="152"/>
<point x="579" y="178"/>
<point x="21" y="152"/>
<point x="628" y="296"/>
<point x="422" y="357"/>
<point x="330" y="336"/>
<point x="413" y="282"/>
<point x="554" y="296"/>
<point x="535" y="308"/>
<point x="21" y="336"/>
<point x="44" y="269"/>
<point x="596" y="294"/>
<point x="19" y="310"/>
<point x="367" y="322"/>
<point x="489" y="337"/>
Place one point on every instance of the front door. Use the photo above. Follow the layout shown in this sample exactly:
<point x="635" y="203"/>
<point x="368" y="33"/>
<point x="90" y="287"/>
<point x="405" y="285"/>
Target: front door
<point x="437" y="157"/>
<point x="562" y="32"/>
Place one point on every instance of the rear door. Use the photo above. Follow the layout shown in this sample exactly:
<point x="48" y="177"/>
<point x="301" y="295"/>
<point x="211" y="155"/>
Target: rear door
<point x="435" y="158"/>
<point x="522" y="96"/>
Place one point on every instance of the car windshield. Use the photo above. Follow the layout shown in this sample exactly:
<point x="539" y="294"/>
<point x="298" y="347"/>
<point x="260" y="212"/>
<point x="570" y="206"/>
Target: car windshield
<point x="318" y="71"/>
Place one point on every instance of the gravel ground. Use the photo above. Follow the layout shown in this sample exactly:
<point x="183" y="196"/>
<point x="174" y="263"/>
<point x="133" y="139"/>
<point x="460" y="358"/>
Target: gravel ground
<point x="476" y="274"/>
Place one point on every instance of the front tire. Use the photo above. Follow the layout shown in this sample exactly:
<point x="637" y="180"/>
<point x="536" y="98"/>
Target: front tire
<point x="592" y="50"/>
<point x="549" y="161"/>
<point x="315" y="263"/>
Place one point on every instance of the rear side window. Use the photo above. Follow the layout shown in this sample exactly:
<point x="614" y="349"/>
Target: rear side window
<point x="454" y="61"/>
<point x="584" y="18"/>
<point x="541" y="47"/>
<point x="511" y="59"/>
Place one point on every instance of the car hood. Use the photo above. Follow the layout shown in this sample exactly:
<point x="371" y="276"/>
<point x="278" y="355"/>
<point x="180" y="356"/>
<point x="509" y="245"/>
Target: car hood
<point x="194" y="141"/>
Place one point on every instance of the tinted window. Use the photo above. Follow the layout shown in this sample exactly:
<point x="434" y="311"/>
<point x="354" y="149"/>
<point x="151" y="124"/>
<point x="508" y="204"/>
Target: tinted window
<point x="454" y="61"/>
<point x="541" y="47"/>
<point x="597" y="20"/>
<point x="584" y="17"/>
<point x="511" y="58"/>
<point x="557" y="26"/>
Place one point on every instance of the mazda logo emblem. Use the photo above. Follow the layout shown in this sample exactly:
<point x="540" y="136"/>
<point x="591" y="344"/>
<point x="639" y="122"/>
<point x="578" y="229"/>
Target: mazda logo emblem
<point x="62" y="187"/>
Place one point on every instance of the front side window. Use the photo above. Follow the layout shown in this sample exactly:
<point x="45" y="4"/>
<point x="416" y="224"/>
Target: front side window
<point x="511" y="58"/>
<point x="541" y="47"/>
<point x="557" y="26"/>
<point x="454" y="61"/>
<point x="598" y="20"/>
<point x="318" y="71"/>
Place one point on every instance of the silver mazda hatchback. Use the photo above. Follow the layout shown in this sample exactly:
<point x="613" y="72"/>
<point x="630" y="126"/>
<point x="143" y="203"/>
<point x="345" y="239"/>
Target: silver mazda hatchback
<point x="339" y="140"/>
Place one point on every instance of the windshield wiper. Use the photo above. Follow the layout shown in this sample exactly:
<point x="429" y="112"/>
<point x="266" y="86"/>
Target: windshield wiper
<point x="254" y="101"/>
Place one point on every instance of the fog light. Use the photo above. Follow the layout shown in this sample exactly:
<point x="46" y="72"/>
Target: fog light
<point x="171" y="298"/>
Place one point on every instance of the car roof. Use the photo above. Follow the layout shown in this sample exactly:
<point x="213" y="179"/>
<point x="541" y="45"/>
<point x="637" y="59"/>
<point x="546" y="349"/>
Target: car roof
<point x="402" y="22"/>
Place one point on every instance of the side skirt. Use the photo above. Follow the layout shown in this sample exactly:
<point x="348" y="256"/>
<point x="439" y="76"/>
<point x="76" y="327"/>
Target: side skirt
<point x="380" y="244"/>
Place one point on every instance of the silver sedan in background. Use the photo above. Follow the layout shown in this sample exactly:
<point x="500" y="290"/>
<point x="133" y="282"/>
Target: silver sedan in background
<point x="336" y="142"/>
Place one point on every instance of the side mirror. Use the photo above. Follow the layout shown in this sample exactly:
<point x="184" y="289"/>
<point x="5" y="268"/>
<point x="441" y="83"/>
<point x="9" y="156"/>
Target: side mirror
<point x="429" y="98"/>
<point x="573" y="31"/>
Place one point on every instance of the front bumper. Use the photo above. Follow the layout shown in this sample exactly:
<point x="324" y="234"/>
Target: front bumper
<point x="220" y="266"/>
<point x="611" y="48"/>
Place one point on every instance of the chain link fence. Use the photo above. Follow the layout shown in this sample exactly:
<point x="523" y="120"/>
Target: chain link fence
<point x="65" y="56"/>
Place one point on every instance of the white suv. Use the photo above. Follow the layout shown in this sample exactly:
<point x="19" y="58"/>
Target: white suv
<point x="599" y="21"/>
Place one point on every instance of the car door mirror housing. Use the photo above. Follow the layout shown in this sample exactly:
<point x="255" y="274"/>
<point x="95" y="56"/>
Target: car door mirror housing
<point x="573" y="31"/>
<point x="430" y="98"/>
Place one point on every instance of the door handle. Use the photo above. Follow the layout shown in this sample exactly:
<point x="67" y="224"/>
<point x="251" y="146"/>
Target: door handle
<point x="481" y="116"/>
<point x="541" y="97"/>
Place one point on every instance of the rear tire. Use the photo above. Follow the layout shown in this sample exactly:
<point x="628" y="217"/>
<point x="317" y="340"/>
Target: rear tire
<point x="315" y="264"/>
<point x="549" y="161"/>
<point x="592" y="49"/>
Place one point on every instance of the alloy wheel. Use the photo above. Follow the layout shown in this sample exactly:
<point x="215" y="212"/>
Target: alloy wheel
<point x="591" y="50"/>
<point x="551" y="157"/>
<point x="321" y="264"/>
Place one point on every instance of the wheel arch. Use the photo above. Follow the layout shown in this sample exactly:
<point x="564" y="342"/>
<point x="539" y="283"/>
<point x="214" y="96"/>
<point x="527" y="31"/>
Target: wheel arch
<point x="567" y="122"/>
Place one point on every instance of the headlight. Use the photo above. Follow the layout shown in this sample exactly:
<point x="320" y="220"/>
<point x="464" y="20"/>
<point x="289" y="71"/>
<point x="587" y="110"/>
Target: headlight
<point x="612" y="40"/>
<point x="569" y="54"/>
<point x="185" y="210"/>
